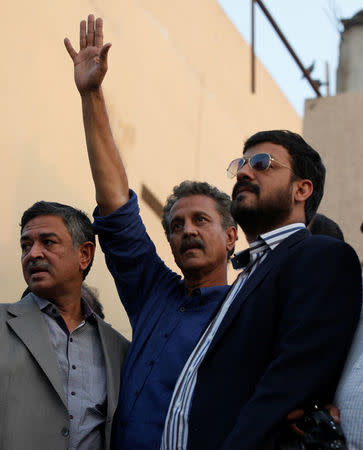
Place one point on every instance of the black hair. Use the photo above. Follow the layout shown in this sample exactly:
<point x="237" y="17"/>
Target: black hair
<point x="90" y="295"/>
<point x="321" y="224"/>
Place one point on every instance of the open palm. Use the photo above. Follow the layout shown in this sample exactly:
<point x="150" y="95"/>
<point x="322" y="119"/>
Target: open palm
<point x="90" y="64"/>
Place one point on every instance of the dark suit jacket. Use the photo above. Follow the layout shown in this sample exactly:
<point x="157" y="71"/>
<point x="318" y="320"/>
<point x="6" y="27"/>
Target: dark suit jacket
<point x="283" y="341"/>
<point x="33" y="407"/>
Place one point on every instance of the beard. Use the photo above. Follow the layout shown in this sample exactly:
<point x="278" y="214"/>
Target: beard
<point x="264" y="215"/>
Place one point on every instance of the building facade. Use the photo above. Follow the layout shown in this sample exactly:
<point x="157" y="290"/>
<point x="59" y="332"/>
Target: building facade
<point x="178" y="95"/>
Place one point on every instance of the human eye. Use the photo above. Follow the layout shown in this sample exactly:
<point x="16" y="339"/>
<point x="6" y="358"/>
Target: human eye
<point x="176" y="226"/>
<point x="201" y="219"/>
<point x="25" y="246"/>
<point x="48" y="242"/>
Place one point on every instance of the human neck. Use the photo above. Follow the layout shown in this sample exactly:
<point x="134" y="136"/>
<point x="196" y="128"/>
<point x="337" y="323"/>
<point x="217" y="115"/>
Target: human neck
<point x="70" y="309"/>
<point x="196" y="280"/>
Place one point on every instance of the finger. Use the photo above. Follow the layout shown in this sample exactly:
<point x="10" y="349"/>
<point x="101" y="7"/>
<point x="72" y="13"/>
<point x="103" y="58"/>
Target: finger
<point x="99" y="33"/>
<point x="91" y="30"/>
<point x="82" y="35"/>
<point x="296" y="429"/>
<point x="70" y="49"/>
<point x="104" y="53"/>
<point x="295" y="415"/>
<point x="334" y="412"/>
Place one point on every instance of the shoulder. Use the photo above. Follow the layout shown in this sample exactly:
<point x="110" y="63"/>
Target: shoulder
<point x="319" y="245"/>
<point x="315" y="257"/>
<point x="7" y="311"/>
<point x="6" y="308"/>
<point x="111" y="333"/>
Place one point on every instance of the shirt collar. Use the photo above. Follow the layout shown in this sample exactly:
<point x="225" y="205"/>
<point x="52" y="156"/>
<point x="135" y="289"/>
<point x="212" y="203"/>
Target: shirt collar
<point x="51" y="309"/>
<point x="203" y="291"/>
<point x="269" y="240"/>
<point x="275" y="237"/>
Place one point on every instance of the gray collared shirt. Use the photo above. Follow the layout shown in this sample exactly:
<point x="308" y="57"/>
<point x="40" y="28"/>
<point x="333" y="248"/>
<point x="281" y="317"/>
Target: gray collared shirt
<point x="82" y="368"/>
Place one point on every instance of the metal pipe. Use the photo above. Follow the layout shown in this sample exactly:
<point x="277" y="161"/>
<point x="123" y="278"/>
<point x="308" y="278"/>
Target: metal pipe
<point x="327" y="79"/>
<point x="253" y="46"/>
<point x="288" y="46"/>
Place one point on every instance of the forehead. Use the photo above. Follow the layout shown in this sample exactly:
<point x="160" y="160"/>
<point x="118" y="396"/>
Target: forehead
<point x="192" y="204"/>
<point x="275" y="150"/>
<point x="45" y="224"/>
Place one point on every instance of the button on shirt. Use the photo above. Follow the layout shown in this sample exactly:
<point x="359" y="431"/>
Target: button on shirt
<point x="83" y="372"/>
<point x="166" y="325"/>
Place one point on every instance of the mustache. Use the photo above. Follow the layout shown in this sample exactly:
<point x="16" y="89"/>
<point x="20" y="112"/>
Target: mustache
<point x="190" y="242"/>
<point x="38" y="265"/>
<point x="246" y="185"/>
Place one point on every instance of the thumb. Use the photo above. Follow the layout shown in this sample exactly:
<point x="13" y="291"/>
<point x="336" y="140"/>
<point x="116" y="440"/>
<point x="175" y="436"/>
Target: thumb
<point x="334" y="412"/>
<point x="70" y="49"/>
<point x="295" y="415"/>
<point x="104" y="53"/>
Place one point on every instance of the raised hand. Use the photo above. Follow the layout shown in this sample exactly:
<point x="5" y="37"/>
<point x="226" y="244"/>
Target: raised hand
<point x="90" y="64"/>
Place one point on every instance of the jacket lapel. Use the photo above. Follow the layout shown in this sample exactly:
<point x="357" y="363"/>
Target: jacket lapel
<point x="28" y="324"/>
<point x="272" y="260"/>
<point x="114" y="354"/>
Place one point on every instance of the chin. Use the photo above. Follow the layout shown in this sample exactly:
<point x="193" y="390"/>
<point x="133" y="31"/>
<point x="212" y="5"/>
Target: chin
<point x="191" y="265"/>
<point x="242" y="209"/>
<point x="41" y="289"/>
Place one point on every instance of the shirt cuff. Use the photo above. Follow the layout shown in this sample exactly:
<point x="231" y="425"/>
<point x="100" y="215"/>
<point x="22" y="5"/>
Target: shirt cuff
<point x="129" y="210"/>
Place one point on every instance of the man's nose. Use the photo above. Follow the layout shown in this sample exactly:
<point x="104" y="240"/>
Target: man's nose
<point x="36" y="251"/>
<point x="189" y="228"/>
<point x="245" y="172"/>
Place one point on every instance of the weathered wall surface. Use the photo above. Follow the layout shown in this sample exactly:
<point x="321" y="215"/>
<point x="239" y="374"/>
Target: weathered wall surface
<point x="179" y="100"/>
<point x="333" y="125"/>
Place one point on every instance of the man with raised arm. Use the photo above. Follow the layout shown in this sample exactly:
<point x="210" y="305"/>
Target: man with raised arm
<point x="167" y="313"/>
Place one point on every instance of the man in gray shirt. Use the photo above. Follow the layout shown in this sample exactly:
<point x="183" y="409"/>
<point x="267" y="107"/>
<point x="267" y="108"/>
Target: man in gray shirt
<point x="59" y="362"/>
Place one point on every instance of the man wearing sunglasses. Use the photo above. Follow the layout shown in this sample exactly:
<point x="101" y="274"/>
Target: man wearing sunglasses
<point x="281" y="335"/>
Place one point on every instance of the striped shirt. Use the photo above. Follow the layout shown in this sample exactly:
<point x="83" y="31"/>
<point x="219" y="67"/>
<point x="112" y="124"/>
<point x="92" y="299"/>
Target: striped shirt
<point x="175" y="436"/>
<point x="349" y="395"/>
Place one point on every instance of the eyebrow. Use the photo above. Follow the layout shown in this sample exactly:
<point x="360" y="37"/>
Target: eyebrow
<point x="194" y="213"/>
<point x="42" y="235"/>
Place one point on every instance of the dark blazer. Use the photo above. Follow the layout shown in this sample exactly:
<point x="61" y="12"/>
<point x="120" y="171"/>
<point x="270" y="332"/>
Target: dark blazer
<point x="283" y="341"/>
<point x="33" y="407"/>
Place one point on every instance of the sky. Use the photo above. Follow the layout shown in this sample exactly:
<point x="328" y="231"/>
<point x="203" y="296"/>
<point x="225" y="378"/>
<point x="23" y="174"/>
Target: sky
<point x="312" y="27"/>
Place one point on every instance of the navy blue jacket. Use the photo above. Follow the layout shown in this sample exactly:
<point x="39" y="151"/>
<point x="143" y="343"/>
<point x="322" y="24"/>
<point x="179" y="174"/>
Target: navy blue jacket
<point x="282" y="343"/>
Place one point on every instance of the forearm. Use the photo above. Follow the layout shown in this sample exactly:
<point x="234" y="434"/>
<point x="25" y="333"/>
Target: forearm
<point x="108" y="172"/>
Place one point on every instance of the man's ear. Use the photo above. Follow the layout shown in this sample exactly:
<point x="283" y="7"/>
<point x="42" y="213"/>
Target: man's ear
<point x="302" y="190"/>
<point x="231" y="238"/>
<point x="87" y="252"/>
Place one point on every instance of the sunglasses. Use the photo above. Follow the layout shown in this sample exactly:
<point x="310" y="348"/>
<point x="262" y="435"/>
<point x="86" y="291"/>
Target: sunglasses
<point x="259" y="162"/>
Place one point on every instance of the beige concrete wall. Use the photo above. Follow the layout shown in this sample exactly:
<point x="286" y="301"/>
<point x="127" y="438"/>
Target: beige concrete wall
<point x="179" y="99"/>
<point x="333" y="125"/>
